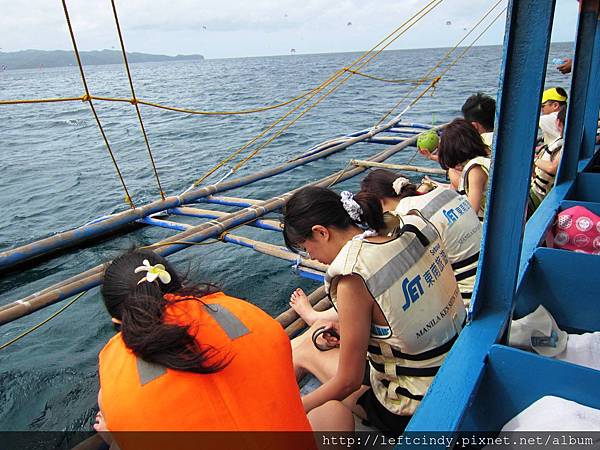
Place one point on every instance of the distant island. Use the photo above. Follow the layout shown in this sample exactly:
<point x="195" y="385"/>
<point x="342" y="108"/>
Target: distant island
<point x="31" y="59"/>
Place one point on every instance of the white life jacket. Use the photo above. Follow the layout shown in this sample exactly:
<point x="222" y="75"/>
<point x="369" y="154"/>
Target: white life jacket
<point x="488" y="138"/>
<point x="543" y="181"/>
<point x="463" y="184"/>
<point x="459" y="228"/>
<point x="550" y="131"/>
<point x="412" y="282"/>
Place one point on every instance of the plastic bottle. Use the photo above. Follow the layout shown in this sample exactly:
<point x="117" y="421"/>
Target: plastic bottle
<point x="558" y="61"/>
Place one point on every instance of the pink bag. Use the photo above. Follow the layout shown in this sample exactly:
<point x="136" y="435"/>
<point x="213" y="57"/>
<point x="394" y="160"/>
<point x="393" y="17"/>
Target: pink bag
<point x="576" y="229"/>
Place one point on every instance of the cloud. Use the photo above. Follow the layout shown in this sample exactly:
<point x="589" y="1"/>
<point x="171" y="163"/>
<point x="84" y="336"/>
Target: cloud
<point x="241" y="28"/>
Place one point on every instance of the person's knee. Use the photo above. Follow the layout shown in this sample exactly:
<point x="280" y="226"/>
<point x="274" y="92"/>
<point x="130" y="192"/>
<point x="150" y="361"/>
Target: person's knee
<point x="331" y="416"/>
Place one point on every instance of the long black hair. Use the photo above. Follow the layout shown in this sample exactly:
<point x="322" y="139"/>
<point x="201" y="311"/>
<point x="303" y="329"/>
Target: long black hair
<point x="380" y="183"/>
<point x="141" y="309"/>
<point x="313" y="205"/>
<point x="459" y="143"/>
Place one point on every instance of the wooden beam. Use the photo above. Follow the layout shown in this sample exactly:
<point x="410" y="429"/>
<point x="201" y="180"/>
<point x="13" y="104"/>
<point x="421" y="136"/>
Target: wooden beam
<point x="405" y="167"/>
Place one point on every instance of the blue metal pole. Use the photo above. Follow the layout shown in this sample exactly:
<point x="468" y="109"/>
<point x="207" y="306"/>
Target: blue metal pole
<point x="258" y="223"/>
<point x="226" y="202"/>
<point x="200" y="233"/>
<point x="584" y="47"/>
<point x="165" y="224"/>
<point x="590" y="124"/>
<point x="15" y="256"/>
<point x="527" y="40"/>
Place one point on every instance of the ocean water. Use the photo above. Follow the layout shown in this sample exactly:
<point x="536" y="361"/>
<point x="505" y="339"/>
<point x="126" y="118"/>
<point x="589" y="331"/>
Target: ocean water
<point x="55" y="174"/>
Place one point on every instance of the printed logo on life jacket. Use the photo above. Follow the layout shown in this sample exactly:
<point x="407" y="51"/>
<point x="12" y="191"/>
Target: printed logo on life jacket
<point x="413" y="289"/>
<point x="441" y="315"/>
<point x="450" y="215"/>
<point x="453" y="214"/>
<point x="380" y="331"/>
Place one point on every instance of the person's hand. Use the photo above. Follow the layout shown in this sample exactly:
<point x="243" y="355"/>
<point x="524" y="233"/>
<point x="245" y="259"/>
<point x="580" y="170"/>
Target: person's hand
<point x="102" y="429"/>
<point x="427" y="185"/>
<point x="424" y="152"/>
<point x="100" y="424"/>
<point x="330" y="336"/>
<point x="565" y="67"/>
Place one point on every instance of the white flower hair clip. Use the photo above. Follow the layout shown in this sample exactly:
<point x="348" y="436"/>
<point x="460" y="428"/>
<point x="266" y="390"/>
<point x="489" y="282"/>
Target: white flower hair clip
<point x="399" y="183"/>
<point x="352" y="208"/>
<point x="153" y="272"/>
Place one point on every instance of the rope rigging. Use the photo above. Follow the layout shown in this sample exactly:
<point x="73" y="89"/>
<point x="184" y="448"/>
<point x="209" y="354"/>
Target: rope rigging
<point x="392" y="37"/>
<point x="87" y="98"/>
<point x="444" y="58"/>
<point x="311" y="98"/>
<point x="134" y="100"/>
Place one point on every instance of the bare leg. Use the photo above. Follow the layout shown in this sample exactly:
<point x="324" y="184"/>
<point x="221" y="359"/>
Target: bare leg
<point x="331" y="416"/>
<point x="307" y="358"/>
<point x="299" y="303"/>
<point x="338" y="416"/>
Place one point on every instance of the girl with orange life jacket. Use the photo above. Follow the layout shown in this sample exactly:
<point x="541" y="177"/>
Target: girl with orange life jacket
<point x="397" y="302"/>
<point x="190" y="358"/>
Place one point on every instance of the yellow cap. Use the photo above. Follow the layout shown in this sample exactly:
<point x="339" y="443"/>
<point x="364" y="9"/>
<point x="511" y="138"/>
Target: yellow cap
<point x="552" y="94"/>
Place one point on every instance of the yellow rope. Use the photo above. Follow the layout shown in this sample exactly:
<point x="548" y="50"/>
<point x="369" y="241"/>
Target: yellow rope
<point x="87" y="98"/>
<point x="227" y="113"/>
<point x="319" y="88"/>
<point x="134" y="100"/>
<point x="453" y="63"/>
<point x="158" y="105"/>
<point x="42" y="100"/>
<point x="440" y="62"/>
<point x="430" y="5"/>
<point x="373" y="77"/>
<point x="43" y="322"/>
<point x="266" y="130"/>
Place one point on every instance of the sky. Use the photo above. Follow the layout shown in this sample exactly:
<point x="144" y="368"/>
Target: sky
<point x="237" y="28"/>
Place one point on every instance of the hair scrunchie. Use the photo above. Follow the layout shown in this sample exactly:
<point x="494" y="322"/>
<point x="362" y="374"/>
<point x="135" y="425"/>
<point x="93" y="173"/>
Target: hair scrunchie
<point x="399" y="183"/>
<point x="352" y="208"/>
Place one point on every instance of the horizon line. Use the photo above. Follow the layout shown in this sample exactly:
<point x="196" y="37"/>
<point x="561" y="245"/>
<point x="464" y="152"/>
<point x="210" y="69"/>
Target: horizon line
<point x="266" y="56"/>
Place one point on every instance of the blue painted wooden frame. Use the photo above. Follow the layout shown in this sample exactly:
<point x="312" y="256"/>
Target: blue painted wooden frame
<point x="590" y="125"/>
<point x="497" y="401"/>
<point x="580" y="90"/>
<point x="523" y="72"/>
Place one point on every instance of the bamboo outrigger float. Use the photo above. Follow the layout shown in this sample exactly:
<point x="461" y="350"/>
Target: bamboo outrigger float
<point x="189" y="235"/>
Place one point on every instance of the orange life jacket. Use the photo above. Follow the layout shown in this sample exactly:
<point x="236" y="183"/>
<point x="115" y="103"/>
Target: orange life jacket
<point x="257" y="391"/>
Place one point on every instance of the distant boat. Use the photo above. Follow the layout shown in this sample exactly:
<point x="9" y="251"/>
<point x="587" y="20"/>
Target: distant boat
<point x="293" y="51"/>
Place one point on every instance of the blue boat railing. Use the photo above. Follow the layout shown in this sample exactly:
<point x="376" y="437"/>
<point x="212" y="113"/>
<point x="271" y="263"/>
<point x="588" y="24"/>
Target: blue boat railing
<point x="483" y="383"/>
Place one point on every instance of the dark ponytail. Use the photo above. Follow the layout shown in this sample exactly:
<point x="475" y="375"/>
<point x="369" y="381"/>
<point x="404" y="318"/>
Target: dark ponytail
<point x="141" y="310"/>
<point x="314" y="205"/>
<point x="380" y="183"/>
<point x="372" y="212"/>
